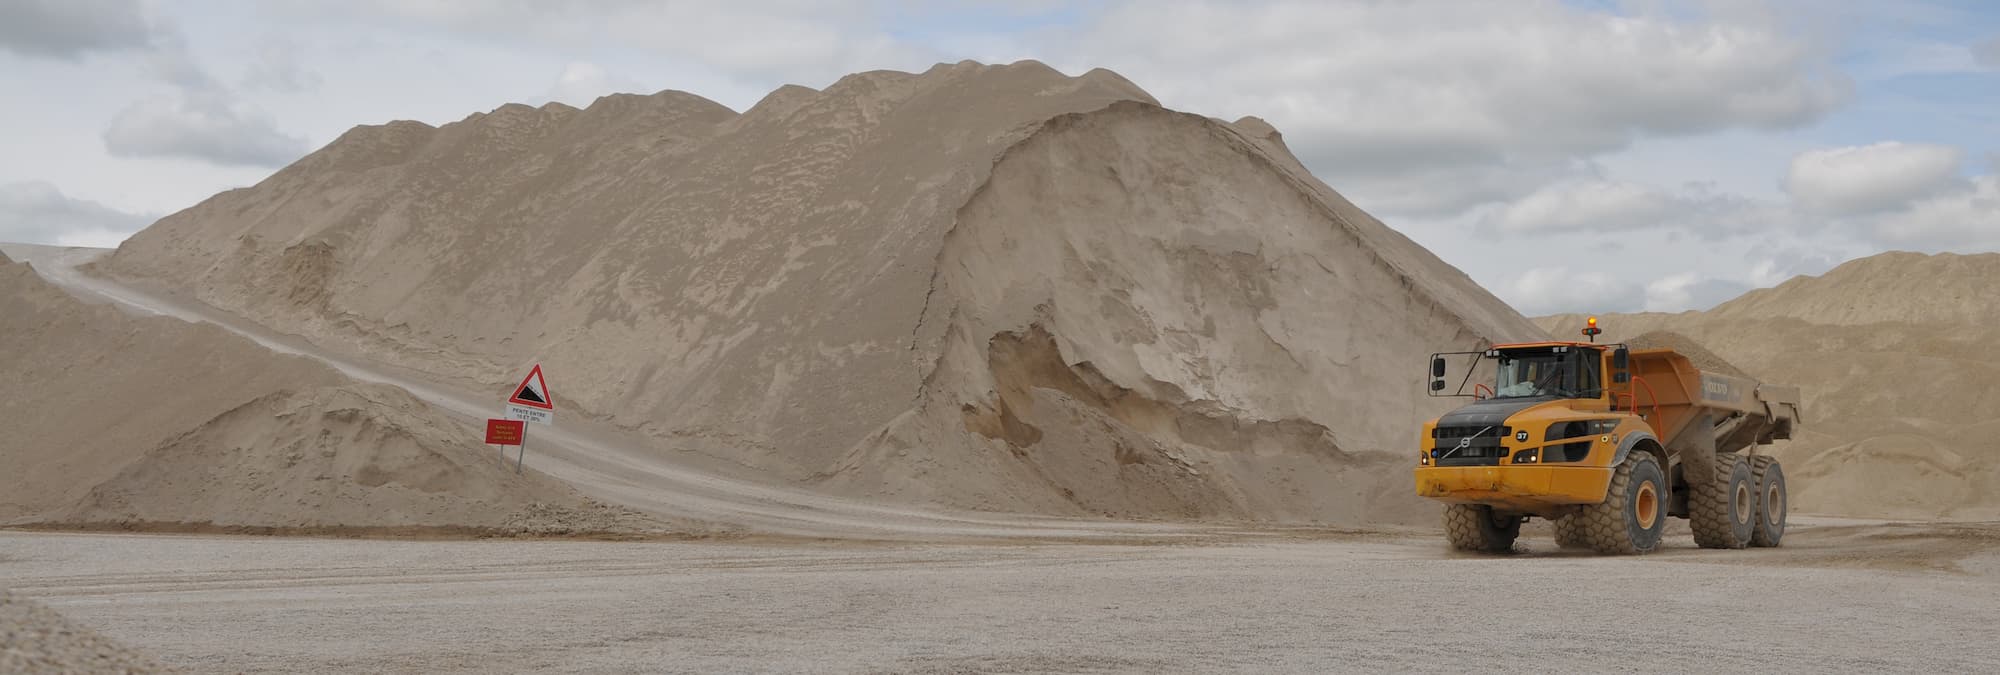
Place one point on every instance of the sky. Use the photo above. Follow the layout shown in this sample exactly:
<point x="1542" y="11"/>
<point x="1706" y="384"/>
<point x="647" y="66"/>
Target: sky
<point x="1570" y="156"/>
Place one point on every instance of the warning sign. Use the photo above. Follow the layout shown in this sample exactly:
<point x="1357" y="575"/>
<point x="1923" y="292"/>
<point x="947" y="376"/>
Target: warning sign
<point x="533" y="392"/>
<point x="531" y="401"/>
<point x="504" y="432"/>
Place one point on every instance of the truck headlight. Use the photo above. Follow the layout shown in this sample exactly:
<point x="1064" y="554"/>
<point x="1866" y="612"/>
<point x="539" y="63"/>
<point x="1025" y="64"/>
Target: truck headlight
<point x="1528" y="456"/>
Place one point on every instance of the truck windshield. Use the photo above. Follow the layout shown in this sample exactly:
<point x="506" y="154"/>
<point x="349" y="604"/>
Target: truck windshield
<point x="1535" y="374"/>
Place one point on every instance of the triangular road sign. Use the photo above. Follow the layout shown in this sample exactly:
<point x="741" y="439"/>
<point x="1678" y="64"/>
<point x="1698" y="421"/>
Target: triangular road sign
<point x="533" y="392"/>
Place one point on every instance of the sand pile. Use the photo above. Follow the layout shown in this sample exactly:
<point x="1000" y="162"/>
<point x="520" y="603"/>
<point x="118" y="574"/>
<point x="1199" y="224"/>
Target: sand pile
<point x="156" y="422"/>
<point x="1894" y="287"/>
<point x="36" y="639"/>
<point x="1900" y="414"/>
<point x="327" y="459"/>
<point x="986" y="286"/>
<point x="1697" y="354"/>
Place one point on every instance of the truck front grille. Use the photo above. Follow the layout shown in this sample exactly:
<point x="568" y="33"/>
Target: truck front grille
<point x="1483" y="450"/>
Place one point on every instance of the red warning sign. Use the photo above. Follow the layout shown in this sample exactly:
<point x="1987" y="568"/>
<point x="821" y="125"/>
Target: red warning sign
<point x="505" y="432"/>
<point x="533" y="392"/>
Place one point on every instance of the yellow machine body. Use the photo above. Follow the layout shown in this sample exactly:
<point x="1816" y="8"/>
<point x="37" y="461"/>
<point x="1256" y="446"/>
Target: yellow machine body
<point x="1537" y="487"/>
<point x="1545" y="455"/>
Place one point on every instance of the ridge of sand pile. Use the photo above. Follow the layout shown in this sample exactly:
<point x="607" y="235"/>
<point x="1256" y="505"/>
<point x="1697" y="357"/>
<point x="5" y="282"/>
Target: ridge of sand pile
<point x="36" y="639"/>
<point x="153" y="421"/>
<point x="1898" y="287"/>
<point x="1899" y="416"/>
<point x="857" y="287"/>
<point x="1700" y="356"/>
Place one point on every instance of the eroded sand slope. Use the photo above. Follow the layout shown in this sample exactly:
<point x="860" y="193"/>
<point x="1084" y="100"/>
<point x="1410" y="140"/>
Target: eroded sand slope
<point x="995" y="287"/>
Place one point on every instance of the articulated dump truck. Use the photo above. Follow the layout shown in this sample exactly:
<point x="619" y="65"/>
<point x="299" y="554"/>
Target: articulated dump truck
<point x="1605" y="441"/>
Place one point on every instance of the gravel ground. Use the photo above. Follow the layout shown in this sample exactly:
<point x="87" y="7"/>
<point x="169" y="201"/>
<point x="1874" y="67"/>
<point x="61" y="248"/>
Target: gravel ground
<point x="36" y="639"/>
<point x="1839" y="598"/>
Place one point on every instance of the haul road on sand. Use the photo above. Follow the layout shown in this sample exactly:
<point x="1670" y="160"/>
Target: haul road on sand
<point x="1606" y="441"/>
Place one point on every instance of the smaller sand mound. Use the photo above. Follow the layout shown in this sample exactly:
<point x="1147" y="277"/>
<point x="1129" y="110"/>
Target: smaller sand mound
<point x="1892" y="287"/>
<point x="353" y="456"/>
<point x="1701" y="356"/>
<point x="1905" y="475"/>
<point x="36" y="639"/>
<point x="156" y="423"/>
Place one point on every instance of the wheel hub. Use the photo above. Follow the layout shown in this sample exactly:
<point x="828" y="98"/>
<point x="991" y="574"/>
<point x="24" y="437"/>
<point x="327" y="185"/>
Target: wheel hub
<point x="1646" y="506"/>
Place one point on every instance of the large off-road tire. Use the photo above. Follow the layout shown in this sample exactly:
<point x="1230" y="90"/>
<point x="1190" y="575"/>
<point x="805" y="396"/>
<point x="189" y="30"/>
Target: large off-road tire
<point x="1723" y="511"/>
<point x="1477" y="528"/>
<point x="1633" y="514"/>
<point x="1772" y="501"/>
<point x="1571" y="532"/>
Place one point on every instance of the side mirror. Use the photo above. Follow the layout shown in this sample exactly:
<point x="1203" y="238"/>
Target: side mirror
<point x="1437" y="385"/>
<point x="1437" y="366"/>
<point x="1621" y="358"/>
<point x="1621" y="378"/>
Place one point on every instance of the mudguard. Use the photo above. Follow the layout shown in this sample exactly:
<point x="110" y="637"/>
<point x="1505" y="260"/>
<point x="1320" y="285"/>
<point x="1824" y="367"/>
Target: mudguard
<point x="1630" y="441"/>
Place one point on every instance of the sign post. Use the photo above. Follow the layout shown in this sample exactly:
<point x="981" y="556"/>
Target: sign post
<point x="530" y="403"/>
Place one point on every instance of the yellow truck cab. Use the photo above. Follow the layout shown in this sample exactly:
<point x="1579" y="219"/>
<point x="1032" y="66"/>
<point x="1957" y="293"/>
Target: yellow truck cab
<point x="1602" y="440"/>
<point x="1539" y="438"/>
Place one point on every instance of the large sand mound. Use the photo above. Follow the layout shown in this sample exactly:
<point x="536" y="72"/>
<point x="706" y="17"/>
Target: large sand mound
<point x="987" y="286"/>
<point x="155" y="422"/>
<point x="1900" y="414"/>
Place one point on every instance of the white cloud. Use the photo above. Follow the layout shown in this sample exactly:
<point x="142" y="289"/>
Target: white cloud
<point x="1771" y="263"/>
<point x="1379" y="90"/>
<point x="277" y="68"/>
<point x="1586" y="205"/>
<point x="784" y="40"/>
<point x="1689" y="290"/>
<point x="203" y="126"/>
<point x="199" y="119"/>
<point x="582" y="82"/>
<point x="1870" y="178"/>
<point x="68" y="29"/>
<point x="1597" y="205"/>
<point x="35" y="212"/>
<point x="1966" y="219"/>
<point x="1443" y="190"/>
<point x="1987" y="53"/>
<point x="1550" y="290"/>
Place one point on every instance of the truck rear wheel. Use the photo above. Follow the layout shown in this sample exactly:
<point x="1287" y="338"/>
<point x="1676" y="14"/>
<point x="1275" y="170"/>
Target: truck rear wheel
<point x="1475" y="527"/>
<point x="1772" y="501"/>
<point x="1723" y="511"/>
<point x="1633" y="514"/>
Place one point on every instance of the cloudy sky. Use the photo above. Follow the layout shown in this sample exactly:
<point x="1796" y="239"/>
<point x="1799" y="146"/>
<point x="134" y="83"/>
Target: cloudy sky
<point x="1586" y="156"/>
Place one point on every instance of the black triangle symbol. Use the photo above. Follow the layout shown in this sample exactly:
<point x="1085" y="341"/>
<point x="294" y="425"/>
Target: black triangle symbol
<point x="528" y="394"/>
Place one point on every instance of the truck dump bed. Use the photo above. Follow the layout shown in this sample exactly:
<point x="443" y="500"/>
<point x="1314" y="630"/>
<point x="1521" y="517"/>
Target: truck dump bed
<point x="1677" y="399"/>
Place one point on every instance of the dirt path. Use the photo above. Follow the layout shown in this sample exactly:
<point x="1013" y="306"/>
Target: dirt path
<point x="1840" y="599"/>
<point x="613" y="466"/>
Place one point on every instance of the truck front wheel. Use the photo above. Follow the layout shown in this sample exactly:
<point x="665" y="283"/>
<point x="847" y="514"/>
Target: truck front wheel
<point x="1633" y="515"/>
<point x="1475" y="527"/>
